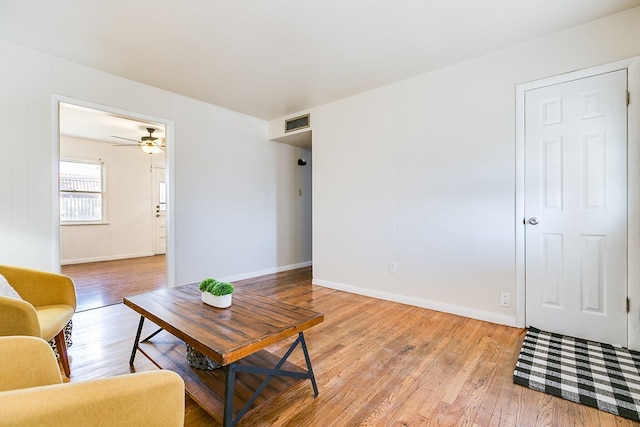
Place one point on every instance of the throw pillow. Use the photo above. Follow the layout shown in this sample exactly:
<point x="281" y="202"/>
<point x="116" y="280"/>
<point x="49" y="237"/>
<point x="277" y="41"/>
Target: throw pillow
<point x="6" y="290"/>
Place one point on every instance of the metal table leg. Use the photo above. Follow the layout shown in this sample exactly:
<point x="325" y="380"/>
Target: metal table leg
<point x="137" y="341"/>
<point x="229" y="420"/>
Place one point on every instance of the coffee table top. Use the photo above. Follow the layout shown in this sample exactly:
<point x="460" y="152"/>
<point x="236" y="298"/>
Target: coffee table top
<point x="226" y="335"/>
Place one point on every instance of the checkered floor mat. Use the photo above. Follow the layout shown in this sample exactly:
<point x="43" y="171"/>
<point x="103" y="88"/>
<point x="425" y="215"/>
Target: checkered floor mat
<point x="587" y="372"/>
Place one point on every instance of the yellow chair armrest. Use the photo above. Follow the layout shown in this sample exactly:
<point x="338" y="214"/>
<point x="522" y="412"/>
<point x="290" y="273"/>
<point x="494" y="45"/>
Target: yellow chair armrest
<point x="18" y="317"/>
<point x="40" y="287"/>
<point x="27" y="362"/>
<point x="144" y="399"/>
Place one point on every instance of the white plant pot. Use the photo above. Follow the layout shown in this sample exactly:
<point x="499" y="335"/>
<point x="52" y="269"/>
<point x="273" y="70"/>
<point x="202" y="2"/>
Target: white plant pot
<point x="223" y="301"/>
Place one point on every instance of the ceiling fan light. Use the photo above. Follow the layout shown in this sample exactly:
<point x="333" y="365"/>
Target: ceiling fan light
<point x="151" y="149"/>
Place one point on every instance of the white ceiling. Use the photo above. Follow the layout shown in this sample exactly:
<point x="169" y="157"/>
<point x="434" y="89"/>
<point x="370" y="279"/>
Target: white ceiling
<point x="273" y="58"/>
<point x="80" y="122"/>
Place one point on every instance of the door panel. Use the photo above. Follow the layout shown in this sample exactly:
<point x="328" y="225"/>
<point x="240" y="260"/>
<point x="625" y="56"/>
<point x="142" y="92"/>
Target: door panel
<point x="576" y="189"/>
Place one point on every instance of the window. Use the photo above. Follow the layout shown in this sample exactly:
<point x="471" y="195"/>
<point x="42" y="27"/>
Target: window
<point x="81" y="191"/>
<point x="162" y="197"/>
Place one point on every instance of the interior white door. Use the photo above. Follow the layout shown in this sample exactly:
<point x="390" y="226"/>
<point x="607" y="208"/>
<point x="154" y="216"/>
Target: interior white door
<point x="160" y="211"/>
<point x="576" y="208"/>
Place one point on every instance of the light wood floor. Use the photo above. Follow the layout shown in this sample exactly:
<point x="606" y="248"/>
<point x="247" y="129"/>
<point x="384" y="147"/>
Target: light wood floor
<point x="104" y="283"/>
<point x="377" y="363"/>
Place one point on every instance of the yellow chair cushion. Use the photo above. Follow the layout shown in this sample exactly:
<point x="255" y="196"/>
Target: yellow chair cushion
<point x="39" y="287"/>
<point x="26" y="362"/>
<point x="18" y="317"/>
<point x="52" y="319"/>
<point x="153" y="398"/>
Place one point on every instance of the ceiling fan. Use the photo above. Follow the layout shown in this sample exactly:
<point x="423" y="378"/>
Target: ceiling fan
<point x="148" y="144"/>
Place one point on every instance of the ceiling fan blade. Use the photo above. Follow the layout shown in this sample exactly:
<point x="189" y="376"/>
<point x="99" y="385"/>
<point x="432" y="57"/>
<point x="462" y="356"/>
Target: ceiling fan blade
<point x="125" y="145"/>
<point x="128" y="139"/>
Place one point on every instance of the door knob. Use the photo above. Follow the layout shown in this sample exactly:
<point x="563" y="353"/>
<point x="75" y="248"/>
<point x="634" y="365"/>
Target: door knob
<point x="533" y="220"/>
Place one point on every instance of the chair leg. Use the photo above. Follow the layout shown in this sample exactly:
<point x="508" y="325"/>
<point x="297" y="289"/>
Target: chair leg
<point x="61" y="345"/>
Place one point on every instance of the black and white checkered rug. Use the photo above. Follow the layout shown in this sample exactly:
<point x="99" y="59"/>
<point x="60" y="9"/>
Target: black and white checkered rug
<point x="587" y="372"/>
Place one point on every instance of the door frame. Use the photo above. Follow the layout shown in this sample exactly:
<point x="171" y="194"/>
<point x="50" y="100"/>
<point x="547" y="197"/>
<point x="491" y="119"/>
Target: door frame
<point x="633" y="188"/>
<point x="169" y="168"/>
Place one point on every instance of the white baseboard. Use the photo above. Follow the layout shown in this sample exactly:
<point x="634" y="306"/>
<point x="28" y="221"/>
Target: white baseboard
<point x="472" y="313"/>
<point x="265" y="272"/>
<point x="104" y="258"/>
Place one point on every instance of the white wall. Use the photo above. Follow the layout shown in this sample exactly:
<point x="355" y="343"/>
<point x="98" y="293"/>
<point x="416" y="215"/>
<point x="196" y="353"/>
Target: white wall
<point x="128" y="231"/>
<point x="422" y="173"/>
<point x="224" y="174"/>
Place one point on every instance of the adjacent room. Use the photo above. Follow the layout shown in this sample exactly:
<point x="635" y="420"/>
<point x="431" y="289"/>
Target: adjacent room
<point x="112" y="204"/>
<point x="418" y="213"/>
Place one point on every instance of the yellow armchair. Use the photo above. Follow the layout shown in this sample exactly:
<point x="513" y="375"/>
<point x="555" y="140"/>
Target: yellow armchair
<point x="48" y="303"/>
<point x="32" y="393"/>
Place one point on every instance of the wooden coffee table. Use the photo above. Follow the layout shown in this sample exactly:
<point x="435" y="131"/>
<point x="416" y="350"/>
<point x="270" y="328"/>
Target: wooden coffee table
<point x="233" y="337"/>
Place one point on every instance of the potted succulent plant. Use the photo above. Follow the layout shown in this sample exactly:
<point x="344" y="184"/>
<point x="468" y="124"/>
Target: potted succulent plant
<point x="217" y="294"/>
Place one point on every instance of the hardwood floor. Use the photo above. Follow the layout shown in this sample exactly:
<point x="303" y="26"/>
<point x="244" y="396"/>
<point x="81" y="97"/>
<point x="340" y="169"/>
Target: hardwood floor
<point x="104" y="283"/>
<point x="377" y="363"/>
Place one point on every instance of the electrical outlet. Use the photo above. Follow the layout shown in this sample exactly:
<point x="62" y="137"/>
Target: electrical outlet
<point x="392" y="267"/>
<point x="505" y="299"/>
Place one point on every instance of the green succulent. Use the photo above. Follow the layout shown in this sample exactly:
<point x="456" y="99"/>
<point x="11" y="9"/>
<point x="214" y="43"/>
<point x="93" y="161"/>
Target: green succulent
<point x="207" y="284"/>
<point x="222" y="288"/>
<point x="216" y="288"/>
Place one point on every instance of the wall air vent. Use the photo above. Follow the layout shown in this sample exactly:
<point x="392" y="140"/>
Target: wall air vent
<point x="296" y="123"/>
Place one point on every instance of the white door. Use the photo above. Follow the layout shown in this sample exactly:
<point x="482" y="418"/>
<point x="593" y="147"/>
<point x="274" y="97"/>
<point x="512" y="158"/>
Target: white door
<point x="160" y="211"/>
<point x="576" y="208"/>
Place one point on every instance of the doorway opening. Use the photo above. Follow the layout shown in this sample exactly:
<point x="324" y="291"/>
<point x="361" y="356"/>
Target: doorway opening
<point x="301" y="198"/>
<point x="113" y="230"/>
